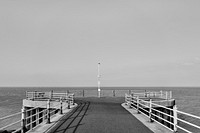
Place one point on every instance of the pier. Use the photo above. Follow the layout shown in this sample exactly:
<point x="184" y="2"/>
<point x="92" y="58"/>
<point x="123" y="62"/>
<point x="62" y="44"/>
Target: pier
<point x="115" y="111"/>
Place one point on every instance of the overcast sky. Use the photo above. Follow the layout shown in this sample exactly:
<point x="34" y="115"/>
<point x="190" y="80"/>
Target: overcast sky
<point x="138" y="42"/>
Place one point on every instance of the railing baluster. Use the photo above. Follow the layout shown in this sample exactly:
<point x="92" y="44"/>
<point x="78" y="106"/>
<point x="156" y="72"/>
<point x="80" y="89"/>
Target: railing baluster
<point x="31" y="119"/>
<point x="68" y="102"/>
<point x="37" y="116"/>
<point x="51" y="94"/>
<point x="66" y="95"/>
<point x="145" y="94"/>
<point x="23" y="120"/>
<point x="175" y="118"/>
<point x="73" y="99"/>
<point x="150" y="110"/>
<point x="113" y="93"/>
<point x="61" y="111"/>
<point x="138" y="100"/>
<point x="48" y="112"/>
<point x="33" y="95"/>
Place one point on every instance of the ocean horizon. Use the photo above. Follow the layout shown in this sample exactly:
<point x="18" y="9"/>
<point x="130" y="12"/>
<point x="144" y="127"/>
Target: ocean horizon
<point x="187" y="98"/>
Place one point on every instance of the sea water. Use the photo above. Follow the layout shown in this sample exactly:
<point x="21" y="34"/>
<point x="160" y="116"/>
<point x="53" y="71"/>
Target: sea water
<point x="187" y="98"/>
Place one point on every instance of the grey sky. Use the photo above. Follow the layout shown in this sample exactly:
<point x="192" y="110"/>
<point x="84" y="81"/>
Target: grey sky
<point x="138" y="42"/>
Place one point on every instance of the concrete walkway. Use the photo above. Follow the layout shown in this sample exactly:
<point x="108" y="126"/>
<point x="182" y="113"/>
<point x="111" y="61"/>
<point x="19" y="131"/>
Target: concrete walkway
<point x="99" y="115"/>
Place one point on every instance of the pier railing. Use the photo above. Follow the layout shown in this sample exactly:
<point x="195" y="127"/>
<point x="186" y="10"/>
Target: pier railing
<point x="167" y="116"/>
<point x="105" y="92"/>
<point x="32" y="117"/>
<point x="36" y="95"/>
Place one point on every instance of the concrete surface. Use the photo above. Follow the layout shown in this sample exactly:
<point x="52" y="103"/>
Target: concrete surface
<point x="103" y="115"/>
<point x="100" y="115"/>
<point x="155" y="127"/>
<point x="43" y="127"/>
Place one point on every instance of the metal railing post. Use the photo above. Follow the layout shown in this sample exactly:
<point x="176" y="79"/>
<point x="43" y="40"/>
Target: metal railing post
<point x="175" y="117"/>
<point x="145" y="93"/>
<point x="51" y="94"/>
<point x="113" y="93"/>
<point x="37" y="116"/>
<point x="126" y="99"/>
<point x="68" y="106"/>
<point x="35" y="95"/>
<point x="83" y="93"/>
<point x="48" y="112"/>
<point x="150" y="110"/>
<point x="73" y="99"/>
<point x="31" y="119"/>
<point x="65" y="95"/>
<point x="61" y="111"/>
<point x="132" y="94"/>
<point x="23" y="120"/>
<point x="138" y="105"/>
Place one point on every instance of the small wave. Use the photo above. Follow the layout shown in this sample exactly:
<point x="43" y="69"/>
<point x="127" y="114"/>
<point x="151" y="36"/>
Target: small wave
<point x="14" y="103"/>
<point x="4" y="101"/>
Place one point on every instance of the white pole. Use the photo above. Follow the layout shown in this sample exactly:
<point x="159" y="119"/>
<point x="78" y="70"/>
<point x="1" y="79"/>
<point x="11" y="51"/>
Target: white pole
<point x="150" y="110"/>
<point x="138" y="105"/>
<point x="61" y="108"/>
<point x="99" y="90"/>
<point x="48" y="111"/>
<point x="175" y="118"/>
<point x="23" y="120"/>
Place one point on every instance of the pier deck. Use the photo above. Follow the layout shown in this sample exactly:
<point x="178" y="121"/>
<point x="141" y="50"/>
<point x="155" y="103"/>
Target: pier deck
<point x="99" y="115"/>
